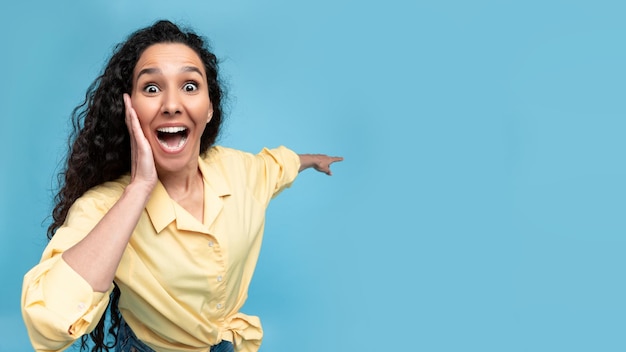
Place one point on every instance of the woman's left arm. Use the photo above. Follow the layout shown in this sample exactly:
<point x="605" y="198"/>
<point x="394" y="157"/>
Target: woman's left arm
<point x="319" y="162"/>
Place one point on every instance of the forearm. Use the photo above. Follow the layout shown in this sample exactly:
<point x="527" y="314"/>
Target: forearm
<point x="98" y="255"/>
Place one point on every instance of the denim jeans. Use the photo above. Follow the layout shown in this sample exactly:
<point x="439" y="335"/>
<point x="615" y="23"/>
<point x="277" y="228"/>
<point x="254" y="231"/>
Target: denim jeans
<point x="128" y="342"/>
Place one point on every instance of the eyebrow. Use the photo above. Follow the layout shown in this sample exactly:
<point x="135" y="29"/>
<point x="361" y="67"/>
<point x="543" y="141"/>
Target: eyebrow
<point x="151" y="71"/>
<point x="191" y="69"/>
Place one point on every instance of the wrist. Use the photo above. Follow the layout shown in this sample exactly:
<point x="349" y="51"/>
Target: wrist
<point x="139" y="190"/>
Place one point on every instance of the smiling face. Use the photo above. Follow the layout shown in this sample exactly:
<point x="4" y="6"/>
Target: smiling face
<point x="171" y="97"/>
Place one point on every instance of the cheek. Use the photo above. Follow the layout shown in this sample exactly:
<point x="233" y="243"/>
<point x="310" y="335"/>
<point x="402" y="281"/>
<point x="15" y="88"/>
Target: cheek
<point x="145" y="128"/>
<point x="144" y="110"/>
<point x="144" y="114"/>
<point x="199" y="109"/>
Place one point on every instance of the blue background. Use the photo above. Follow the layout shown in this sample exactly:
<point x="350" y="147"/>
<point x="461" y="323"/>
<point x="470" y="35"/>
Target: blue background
<point x="481" y="203"/>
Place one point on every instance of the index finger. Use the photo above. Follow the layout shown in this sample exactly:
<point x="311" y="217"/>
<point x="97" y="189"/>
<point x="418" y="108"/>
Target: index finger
<point x="335" y="159"/>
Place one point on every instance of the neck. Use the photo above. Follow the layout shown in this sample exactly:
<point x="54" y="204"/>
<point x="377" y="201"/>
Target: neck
<point x="180" y="184"/>
<point x="186" y="189"/>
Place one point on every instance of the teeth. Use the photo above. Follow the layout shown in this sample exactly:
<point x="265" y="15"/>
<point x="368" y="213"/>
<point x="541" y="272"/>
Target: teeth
<point x="174" y="147"/>
<point x="171" y="129"/>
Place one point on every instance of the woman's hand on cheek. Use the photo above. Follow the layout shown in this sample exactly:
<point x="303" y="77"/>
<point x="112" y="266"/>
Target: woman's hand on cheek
<point x="143" y="170"/>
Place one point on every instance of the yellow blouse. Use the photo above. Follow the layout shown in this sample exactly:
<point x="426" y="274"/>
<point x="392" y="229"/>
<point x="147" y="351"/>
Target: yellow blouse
<point x="182" y="282"/>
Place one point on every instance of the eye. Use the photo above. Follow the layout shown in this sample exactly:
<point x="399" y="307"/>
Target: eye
<point x="151" y="89"/>
<point x="190" y="87"/>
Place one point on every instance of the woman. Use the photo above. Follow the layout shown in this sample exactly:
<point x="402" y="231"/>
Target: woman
<point x="151" y="216"/>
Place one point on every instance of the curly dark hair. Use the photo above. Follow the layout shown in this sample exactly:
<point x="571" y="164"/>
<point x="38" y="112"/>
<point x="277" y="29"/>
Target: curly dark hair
<point x="99" y="145"/>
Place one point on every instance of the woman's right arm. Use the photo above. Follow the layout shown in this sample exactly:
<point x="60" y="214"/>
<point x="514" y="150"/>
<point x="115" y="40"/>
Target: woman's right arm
<point x="66" y="294"/>
<point x="60" y="300"/>
<point x="98" y="255"/>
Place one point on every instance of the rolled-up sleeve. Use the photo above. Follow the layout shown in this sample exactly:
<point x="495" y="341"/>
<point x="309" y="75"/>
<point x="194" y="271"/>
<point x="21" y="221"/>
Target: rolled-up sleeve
<point x="279" y="167"/>
<point x="58" y="305"/>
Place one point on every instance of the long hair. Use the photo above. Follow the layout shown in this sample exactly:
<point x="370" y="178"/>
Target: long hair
<point x="99" y="144"/>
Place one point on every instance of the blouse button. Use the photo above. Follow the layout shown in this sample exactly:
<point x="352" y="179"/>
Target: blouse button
<point x="219" y="278"/>
<point x="210" y="243"/>
<point x="219" y="306"/>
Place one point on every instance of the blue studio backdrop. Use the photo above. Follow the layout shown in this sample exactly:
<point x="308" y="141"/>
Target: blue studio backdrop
<point x="481" y="203"/>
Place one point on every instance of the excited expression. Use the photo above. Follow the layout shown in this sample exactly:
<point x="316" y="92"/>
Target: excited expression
<point x="171" y="97"/>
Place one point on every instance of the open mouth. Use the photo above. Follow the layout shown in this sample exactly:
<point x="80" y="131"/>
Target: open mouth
<point x="172" y="138"/>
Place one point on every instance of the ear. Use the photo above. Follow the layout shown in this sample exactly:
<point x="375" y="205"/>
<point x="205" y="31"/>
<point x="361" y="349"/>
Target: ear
<point x="210" y="113"/>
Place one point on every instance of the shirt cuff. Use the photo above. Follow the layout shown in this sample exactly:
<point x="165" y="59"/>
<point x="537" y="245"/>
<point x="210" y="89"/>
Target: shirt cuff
<point x="289" y="163"/>
<point x="68" y="295"/>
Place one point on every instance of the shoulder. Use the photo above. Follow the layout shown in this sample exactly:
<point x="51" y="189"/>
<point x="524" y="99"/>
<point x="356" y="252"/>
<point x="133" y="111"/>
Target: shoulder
<point x="265" y="173"/>
<point x="101" y="198"/>
<point x="229" y="157"/>
<point x="218" y="153"/>
<point x="111" y="189"/>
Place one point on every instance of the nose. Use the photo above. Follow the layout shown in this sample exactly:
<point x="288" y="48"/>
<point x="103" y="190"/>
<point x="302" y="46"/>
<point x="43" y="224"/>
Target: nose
<point x="171" y="104"/>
